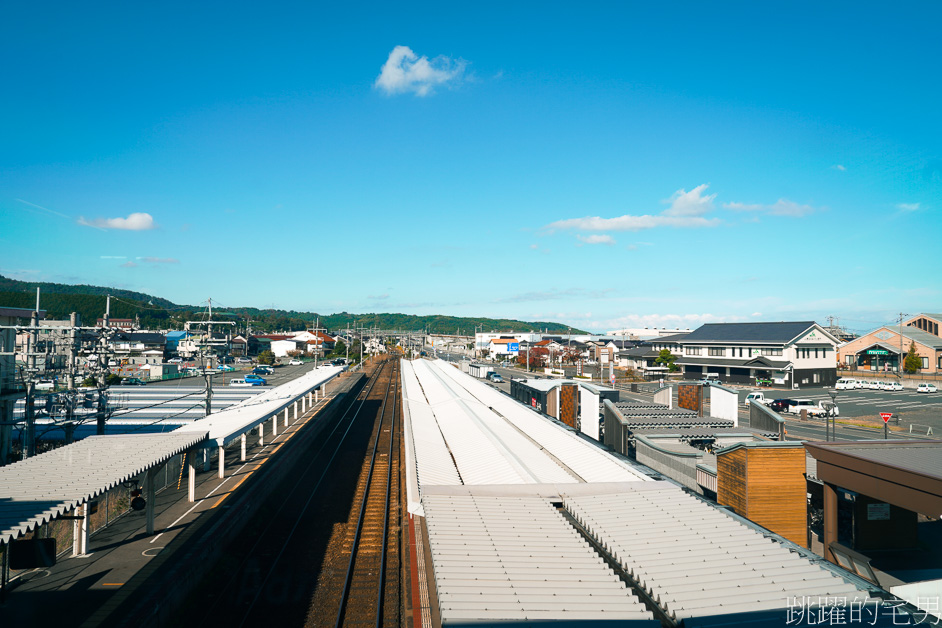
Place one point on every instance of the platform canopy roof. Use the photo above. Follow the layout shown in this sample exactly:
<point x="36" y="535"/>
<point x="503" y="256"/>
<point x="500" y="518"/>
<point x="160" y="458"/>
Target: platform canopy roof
<point x="231" y="423"/>
<point x="41" y="488"/>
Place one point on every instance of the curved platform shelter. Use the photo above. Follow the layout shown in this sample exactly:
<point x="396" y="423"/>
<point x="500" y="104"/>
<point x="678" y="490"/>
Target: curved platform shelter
<point x="235" y="422"/>
<point x="44" y="487"/>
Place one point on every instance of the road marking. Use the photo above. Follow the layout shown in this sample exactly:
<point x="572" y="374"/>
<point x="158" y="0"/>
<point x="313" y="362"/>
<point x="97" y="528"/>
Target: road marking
<point x="112" y="584"/>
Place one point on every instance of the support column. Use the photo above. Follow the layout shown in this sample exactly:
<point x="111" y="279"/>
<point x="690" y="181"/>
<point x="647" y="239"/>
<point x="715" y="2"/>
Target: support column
<point x="80" y="531"/>
<point x="151" y="496"/>
<point x="261" y="433"/>
<point x="191" y="477"/>
<point x="315" y="395"/>
<point x="242" y="455"/>
<point x="303" y="404"/>
<point x="324" y="386"/>
<point x="830" y="521"/>
<point x="205" y="459"/>
<point x="222" y="462"/>
<point x="274" y="425"/>
<point x="286" y="416"/>
<point x="296" y="403"/>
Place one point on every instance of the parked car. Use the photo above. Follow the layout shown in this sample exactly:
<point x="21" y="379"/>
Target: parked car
<point x="811" y="407"/>
<point x="926" y="388"/>
<point x="255" y="380"/>
<point x="133" y="381"/>
<point x="295" y="362"/>
<point x="755" y="397"/>
<point x="175" y="361"/>
<point x="781" y="405"/>
<point x="895" y="386"/>
<point x="263" y="370"/>
<point x="241" y="382"/>
<point x="244" y="360"/>
<point x="497" y="379"/>
<point x="711" y="381"/>
<point x="846" y="384"/>
<point x="225" y="368"/>
<point x="45" y="384"/>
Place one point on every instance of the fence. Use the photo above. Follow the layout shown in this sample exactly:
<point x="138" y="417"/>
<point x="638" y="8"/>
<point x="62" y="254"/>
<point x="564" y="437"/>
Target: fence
<point x="677" y="465"/>
<point x="765" y="419"/>
<point x="111" y="506"/>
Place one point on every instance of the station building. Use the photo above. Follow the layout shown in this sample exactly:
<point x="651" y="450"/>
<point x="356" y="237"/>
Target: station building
<point x="885" y="348"/>
<point x="785" y="353"/>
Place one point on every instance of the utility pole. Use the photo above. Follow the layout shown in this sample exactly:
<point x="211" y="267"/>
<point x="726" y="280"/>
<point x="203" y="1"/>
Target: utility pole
<point x="29" y="447"/>
<point x="73" y="324"/>
<point x="209" y="392"/>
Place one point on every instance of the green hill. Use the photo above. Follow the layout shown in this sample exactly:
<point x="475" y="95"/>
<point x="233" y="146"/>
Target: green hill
<point x="59" y="300"/>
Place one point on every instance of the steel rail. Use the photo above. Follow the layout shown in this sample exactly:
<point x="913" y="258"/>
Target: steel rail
<point x="345" y="593"/>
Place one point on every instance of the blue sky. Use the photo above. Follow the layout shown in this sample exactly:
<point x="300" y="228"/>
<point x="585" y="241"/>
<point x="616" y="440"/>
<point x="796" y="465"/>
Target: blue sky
<point x="608" y="165"/>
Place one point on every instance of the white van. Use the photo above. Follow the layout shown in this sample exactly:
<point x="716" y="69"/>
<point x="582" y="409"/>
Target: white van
<point x="239" y="382"/>
<point x="846" y="384"/>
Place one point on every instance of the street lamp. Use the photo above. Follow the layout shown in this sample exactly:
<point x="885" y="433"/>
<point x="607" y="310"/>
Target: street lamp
<point x="827" y="420"/>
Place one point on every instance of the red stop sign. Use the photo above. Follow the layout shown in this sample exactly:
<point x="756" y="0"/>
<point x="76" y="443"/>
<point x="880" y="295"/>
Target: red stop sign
<point x="886" y="416"/>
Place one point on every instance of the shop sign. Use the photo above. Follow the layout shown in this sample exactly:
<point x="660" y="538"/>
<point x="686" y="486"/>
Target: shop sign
<point x="878" y="512"/>
<point x="877" y="352"/>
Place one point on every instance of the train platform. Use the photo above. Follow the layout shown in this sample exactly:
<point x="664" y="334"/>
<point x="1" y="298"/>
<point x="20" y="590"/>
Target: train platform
<point x="121" y="558"/>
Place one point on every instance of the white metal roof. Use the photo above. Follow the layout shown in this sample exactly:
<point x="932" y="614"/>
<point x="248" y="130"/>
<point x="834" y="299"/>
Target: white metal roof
<point x="698" y="561"/>
<point x="45" y="486"/>
<point x="227" y="425"/>
<point x="591" y="463"/>
<point x="516" y="558"/>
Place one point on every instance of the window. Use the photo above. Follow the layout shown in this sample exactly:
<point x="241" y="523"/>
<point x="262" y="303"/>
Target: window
<point x="817" y="378"/>
<point x="925" y="363"/>
<point x="717" y="351"/>
<point x="693" y="350"/>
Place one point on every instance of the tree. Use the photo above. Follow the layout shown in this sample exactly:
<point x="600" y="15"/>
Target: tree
<point x="538" y="357"/>
<point x="666" y="358"/>
<point x="913" y="360"/>
<point x="571" y="355"/>
<point x="266" y="357"/>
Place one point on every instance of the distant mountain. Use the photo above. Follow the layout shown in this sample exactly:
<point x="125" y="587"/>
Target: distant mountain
<point x="59" y="300"/>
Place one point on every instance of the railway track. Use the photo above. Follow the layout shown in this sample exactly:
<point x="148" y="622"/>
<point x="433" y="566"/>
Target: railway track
<point x="370" y="592"/>
<point x="287" y="567"/>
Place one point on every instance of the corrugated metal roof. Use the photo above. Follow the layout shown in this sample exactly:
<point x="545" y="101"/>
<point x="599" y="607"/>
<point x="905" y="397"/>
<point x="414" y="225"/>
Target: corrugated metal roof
<point x="516" y="558"/>
<point x="38" y="489"/>
<point x="698" y="561"/>
<point x="229" y="424"/>
<point x="589" y="461"/>
<point x="924" y="458"/>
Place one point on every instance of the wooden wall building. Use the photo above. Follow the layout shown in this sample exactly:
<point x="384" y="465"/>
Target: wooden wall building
<point x="765" y="482"/>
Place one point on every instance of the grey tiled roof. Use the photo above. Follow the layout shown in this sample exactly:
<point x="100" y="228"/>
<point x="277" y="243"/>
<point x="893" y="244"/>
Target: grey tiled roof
<point x="773" y="333"/>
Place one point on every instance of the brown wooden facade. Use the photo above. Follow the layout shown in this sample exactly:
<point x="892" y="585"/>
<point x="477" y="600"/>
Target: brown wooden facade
<point x="765" y="482"/>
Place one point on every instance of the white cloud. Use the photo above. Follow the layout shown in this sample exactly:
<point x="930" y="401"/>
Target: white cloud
<point x="138" y="221"/>
<point x="908" y="207"/>
<point x="782" y="207"/>
<point x="686" y="210"/>
<point x="670" y="321"/>
<point x="839" y="167"/>
<point x="596" y="239"/>
<point x="404" y="71"/>
<point x="631" y="223"/>
<point x="159" y="260"/>
<point x="692" y="203"/>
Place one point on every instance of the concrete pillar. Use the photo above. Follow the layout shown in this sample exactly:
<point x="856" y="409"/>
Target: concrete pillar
<point x="191" y="477"/>
<point x="80" y="531"/>
<point x="205" y="451"/>
<point x="296" y="404"/>
<point x="261" y="433"/>
<point x="150" y="495"/>
<point x="286" y="416"/>
<point x="315" y="395"/>
<point x="274" y="425"/>
<point x="242" y="455"/>
<point x="830" y="521"/>
<point x="222" y="462"/>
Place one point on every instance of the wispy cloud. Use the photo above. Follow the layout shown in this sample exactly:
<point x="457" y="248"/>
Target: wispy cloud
<point x="159" y="260"/>
<point x="378" y="297"/>
<point x="596" y="239"/>
<point x="554" y="294"/>
<point x="129" y="264"/>
<point x="686" y="211"/>
<point x="781" y="207"/>
<point x="112" y="256"/>
<point x="138" y="221"/>
<point x="45" y="209"/>
<point x="839" y="167"/>
<point x="692" y="203"/>
<point x="404" y="71"/>
<point x="908" y="207"/>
